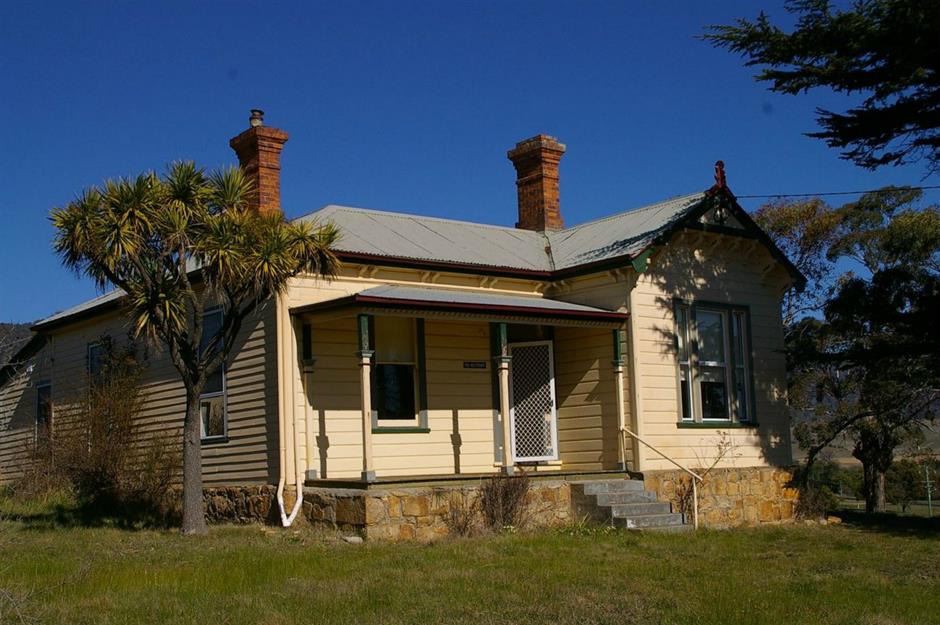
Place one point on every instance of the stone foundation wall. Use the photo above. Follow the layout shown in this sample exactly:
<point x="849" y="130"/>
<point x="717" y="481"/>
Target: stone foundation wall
<point x="425" y="513"/>
<point x="241" y="504"/>
<point x="731" y="497"/>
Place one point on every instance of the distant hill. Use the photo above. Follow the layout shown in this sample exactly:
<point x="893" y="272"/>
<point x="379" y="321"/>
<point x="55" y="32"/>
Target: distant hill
<point x="12" y="337"/>
<point x="840" y="450"/>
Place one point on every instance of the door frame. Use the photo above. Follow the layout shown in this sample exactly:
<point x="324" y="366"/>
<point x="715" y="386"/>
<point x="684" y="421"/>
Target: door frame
<point x="512" y="403"/>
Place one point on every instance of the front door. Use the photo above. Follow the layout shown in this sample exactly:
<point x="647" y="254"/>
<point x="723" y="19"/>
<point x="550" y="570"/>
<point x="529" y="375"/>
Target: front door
<point x="532" y="402"/>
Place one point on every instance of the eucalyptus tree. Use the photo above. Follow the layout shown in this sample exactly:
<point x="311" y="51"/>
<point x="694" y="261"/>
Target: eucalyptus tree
<point x="177" y="244"/>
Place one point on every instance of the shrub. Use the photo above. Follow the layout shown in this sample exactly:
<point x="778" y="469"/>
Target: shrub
<point x="100" y="450"/>
<point x="503" y="500"/>
<point x="463" y="512"/>
<point x="815" y="501"/>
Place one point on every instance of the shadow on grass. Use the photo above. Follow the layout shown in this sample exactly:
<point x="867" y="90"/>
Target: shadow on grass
<point x="889" y="523"/>
<point x="72" y="514"/>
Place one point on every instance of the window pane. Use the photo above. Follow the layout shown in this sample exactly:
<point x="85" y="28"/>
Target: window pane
<point x="738" y="339"/>
<point x="714" y="393"/>
<point x="682" y="332"/>
<point x="213" y="417"/>
<point x="711" y="336"/>
<point x="740" y="394"/>
<point x="95" y="360"/>
<point x="394" y="339"/>
<point x="393" y="391"/>
<point x="214" y="382"/>
<point x="685" y="389"/>
<point x="211" y="325"/>
<point x="44" y="408"/>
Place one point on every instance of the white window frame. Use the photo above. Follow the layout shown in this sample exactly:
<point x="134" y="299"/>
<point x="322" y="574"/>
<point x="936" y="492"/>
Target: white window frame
<point x="215" y="394"/>
<point x="415" y="422"/>
<point x="729" y="313"/>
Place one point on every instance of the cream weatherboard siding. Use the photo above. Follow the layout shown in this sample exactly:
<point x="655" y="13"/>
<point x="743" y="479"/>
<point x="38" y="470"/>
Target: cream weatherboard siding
<point x="18" y="416"/>
<point x="587" y="412"/>
<point x="248" y="454"/>
<point x="266" y="378"/>
<point x="588" y="427"/>
<point x="461" y="416"/>
<point x="716" y="268"/>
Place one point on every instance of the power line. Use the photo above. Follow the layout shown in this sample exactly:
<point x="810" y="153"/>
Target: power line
<point x="920" y="188"/>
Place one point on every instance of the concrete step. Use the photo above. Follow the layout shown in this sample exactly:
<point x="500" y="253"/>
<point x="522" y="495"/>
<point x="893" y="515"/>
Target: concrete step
<point x="648" y="521"/>
<point x="626" y="510"/>
<point x="604" y="487"/>
<point x="670" y="529"/>
<point x="613" y="499"/>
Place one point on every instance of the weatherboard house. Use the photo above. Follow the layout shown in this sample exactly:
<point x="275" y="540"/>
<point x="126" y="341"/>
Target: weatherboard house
<point x="606" y="360"/>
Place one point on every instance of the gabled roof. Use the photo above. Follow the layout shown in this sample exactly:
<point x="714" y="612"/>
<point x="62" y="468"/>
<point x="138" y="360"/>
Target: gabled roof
<point x="384" y="237"/>
<point x="401" y="235"/>
<point x="625" y="234"/>
<point x="383" y="234"/>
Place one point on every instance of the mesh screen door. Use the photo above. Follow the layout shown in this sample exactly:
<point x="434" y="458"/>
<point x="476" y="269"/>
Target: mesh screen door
<point x="532" y="401"/>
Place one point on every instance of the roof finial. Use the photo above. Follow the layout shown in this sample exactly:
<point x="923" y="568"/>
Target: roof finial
<point x="720" y="181"/>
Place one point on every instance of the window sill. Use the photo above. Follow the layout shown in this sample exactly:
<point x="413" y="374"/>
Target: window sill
<point x="715" y="425"/>
<point x="400" y="430"/>
<point x="214" y="440"/>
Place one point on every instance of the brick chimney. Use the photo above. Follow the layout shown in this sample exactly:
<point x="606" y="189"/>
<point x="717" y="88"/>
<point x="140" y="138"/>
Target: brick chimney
<point x="259" y="154"/>
<point x="536" y="162"/>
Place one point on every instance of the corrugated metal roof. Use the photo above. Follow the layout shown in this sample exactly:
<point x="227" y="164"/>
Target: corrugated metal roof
<point x="456" y="300"/>
<point x="415" y="237"/>
<point x="622" y="234"/>
<point x="101" y="300"/>
<point x="421" y="238"/>
<point x="458" y="297"/>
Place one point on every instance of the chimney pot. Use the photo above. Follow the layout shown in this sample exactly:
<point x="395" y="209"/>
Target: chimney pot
<point x="536" y="162"/>
<point x="259" y="155"/>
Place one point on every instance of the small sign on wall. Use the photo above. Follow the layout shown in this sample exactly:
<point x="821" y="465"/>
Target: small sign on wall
<point x="474" y="364"/>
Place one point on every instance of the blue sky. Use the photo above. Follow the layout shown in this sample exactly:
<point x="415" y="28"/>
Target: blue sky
<point x="403" y="106"/>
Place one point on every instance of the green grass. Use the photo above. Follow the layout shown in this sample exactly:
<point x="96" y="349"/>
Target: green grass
<point x="788" y="574"/>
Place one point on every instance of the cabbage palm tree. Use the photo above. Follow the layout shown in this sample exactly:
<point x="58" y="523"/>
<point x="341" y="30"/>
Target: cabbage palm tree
<point x="177" y="244"/>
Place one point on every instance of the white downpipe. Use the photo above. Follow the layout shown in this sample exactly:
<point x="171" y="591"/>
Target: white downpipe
<point x="281" y="435"/>
<point x="284" y="405"/>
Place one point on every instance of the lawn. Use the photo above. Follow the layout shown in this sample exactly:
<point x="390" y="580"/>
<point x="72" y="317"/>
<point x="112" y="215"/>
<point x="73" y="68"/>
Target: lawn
<point x="788" y="574"/>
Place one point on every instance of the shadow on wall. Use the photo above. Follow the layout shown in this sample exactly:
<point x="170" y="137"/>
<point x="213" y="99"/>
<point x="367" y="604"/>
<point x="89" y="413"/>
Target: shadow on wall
<point x="739" y="271"/>
<point x="588" y="427"/>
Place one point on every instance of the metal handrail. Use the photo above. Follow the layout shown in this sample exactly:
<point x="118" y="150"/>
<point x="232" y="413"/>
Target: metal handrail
<point x="695" y="476"/>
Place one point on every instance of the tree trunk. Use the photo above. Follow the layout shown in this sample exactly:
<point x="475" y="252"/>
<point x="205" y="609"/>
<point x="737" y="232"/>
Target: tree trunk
<point x="879" y="488"/>
<point x="873" y="487"/>
<point x="194" y="517"/>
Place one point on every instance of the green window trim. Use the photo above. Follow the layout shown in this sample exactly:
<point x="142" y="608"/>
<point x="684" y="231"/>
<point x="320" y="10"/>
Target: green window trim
<point x="717" y="425"/>
<point x="401" y="430"/>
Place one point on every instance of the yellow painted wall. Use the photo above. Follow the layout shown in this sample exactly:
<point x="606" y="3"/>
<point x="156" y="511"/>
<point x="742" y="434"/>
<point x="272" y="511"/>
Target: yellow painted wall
<point x="464" y="424"/>
<point x="460" y="414"/>
<point x="724" y="269"/>
<point x="585" y="388"/>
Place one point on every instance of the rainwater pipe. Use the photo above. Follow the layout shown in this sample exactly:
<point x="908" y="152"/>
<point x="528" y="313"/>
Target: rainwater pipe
<point x="283" y="384"/>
